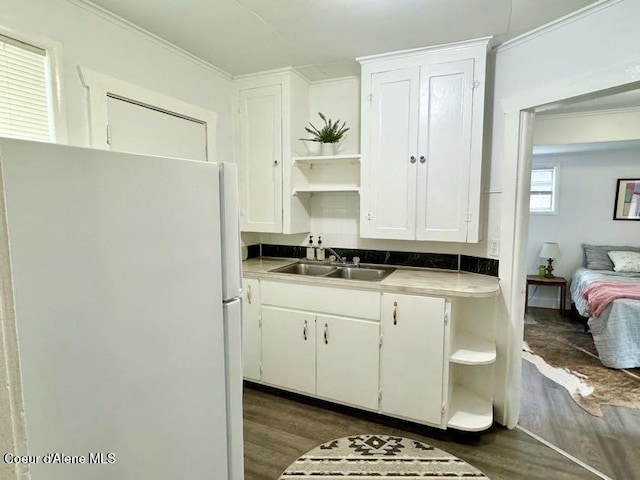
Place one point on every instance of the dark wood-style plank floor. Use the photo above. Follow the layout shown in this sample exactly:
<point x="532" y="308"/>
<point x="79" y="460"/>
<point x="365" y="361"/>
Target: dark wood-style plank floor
<point x="277" y="430"/>
<point x="610" y="444"/>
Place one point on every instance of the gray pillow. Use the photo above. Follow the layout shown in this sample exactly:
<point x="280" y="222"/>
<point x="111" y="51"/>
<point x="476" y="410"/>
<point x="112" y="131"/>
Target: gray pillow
<point x="596" y="256"/>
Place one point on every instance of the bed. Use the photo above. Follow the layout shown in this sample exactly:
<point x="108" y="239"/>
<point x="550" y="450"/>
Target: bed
<point x="615" y="321"/>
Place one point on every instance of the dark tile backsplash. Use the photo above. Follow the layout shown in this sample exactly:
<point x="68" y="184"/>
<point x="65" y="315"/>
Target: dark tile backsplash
<point x="444" y="261"/>
<point x="289" y="251"/>
<point x="253" y="251"/>
<point x="485" y="266"/>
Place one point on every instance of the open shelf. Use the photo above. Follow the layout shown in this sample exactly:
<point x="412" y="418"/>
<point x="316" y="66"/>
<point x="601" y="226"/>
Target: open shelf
<point x="469" y="411"/>
<point x="326" y="189"/>
<point x="471" y="350"/>
<point x="327" y="159"/>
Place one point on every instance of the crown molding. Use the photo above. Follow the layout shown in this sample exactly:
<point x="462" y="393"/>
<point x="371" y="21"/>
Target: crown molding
<point x="271" y="73"/>
<point x="349" y="78"/>
<point x="589" y="113"/>
<point x="132" y="27"/>
<point x="486" y="41"/>
<point x="555" y="24"/>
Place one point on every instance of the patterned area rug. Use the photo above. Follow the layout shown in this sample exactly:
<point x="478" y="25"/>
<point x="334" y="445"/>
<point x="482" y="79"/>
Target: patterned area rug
<point x="379" y="457"/>
<point x="562" y="352"/>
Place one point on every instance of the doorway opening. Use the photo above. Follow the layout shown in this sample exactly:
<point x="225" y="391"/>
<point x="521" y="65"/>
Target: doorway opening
<point x="578" y="150"/>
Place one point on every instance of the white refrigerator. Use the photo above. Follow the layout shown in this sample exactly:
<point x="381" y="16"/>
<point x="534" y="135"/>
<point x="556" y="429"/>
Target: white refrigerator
<point x="126" y="282"/>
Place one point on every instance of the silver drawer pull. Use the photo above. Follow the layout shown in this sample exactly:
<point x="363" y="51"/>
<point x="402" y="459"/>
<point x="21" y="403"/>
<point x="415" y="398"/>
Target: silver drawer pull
<point x="395" y="313"/>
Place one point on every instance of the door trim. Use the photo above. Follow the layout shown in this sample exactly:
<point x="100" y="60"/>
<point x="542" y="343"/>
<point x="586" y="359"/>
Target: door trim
<point x="101" y="86"/>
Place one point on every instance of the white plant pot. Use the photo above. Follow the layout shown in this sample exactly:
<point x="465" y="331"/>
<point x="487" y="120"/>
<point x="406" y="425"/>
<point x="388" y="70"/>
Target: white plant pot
<point x="327" y="149"/>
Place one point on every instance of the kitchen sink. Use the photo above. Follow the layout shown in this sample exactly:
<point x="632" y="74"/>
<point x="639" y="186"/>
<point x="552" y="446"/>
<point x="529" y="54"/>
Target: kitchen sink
<point x="370" y="274"/>
<point x="367" y="273"/>
<point x="305" y="269"/>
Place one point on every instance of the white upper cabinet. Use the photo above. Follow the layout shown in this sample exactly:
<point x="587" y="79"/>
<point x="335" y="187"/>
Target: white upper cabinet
<point x="270" y="112"/>
<point x="260" y="111"/>
<point x="422" y="120"/>
<point x="389" y="169"/>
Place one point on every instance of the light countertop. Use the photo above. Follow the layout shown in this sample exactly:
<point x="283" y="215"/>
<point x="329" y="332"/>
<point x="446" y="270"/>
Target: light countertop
<point x="418" y="281"/>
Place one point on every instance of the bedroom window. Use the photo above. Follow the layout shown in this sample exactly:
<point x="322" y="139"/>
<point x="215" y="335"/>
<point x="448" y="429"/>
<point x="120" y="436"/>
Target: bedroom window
<point x="24" y="91"/>
<point x="544" y="190"/>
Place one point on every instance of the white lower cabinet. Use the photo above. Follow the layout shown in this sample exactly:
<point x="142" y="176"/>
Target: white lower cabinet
<point x="289" y="349"/>
<point x="347" y="360"/>
<point x="420" y="358"/>
<point x="412" y="357"/>
<point x="251" y="336"/>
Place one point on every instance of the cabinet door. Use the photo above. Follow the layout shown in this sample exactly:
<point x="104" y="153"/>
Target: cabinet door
<point x="289" y="349"/>
<point x="260" y="148"/>
<point x="388" y="182"/>
<point x="446" y="106"/>
<point x="251" y="336"/>
<point x="412" y="357"/>
<point x="347" y="360"/>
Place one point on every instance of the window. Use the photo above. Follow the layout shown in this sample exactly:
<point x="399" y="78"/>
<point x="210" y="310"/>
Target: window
<point x="24" y="96"/>
<point x="544" y="191"/>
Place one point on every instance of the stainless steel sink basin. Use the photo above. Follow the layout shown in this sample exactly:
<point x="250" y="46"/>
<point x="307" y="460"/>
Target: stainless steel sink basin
<point x="367" y="273"/>
<point x="370" y="274"/>
<point x="305" y="269"/>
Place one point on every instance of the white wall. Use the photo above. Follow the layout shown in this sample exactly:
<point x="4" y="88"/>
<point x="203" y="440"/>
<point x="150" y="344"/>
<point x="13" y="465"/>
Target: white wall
<point x="586" y="127"/>
<point x="594" y="51"/>
<point x="83" y="37"/>
<point x="93" y="40"/>
<point x="586" y="193"/>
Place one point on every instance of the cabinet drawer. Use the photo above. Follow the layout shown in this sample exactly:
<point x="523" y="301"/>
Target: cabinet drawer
<point x="337" y="301"/>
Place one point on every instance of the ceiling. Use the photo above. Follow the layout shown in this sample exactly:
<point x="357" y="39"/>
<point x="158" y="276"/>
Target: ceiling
<point x="321" y="38"/>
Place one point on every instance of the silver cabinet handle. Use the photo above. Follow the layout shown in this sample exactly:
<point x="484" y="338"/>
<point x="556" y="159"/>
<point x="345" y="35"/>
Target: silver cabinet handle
<point x="422" y="159"/>
<point x="326" y="334"/>
<point x="412" y="159"/>
<point x="304" y="331"/>
<point x="395" y="313"/>
<point x="249" y="294"/>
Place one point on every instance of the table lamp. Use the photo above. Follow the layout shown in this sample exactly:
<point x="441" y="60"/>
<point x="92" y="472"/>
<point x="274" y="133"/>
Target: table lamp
<point x="550" y="251"/>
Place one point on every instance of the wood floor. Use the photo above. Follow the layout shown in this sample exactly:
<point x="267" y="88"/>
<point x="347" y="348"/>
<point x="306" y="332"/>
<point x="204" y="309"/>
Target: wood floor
<point x="278" y="430"/>
<point x="610" y="444"/>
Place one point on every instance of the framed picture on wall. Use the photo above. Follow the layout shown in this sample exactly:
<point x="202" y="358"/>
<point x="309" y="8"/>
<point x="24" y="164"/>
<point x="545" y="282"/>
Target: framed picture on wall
<point x="627" y="203"/>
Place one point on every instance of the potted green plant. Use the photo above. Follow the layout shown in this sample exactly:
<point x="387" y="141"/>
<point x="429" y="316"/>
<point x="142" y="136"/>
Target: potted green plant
<point x="328" y="136"/>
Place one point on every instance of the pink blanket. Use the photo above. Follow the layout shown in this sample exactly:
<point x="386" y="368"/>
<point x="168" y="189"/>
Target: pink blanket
<point x="600" y="294"/>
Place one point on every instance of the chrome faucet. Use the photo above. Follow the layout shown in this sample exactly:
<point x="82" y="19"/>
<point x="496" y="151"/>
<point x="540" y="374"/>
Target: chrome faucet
<point x="336" y="256"/>
<point x="343" y="261"/>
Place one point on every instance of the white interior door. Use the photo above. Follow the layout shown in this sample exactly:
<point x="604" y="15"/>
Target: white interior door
<point x="446" y="102"/>
<point x="138" y="128"/>
<point x="117" y="281"/>
<point x="390" y="155"/>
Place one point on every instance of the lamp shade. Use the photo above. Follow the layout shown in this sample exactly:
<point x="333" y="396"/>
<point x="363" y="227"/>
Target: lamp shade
<point x="550" y="250"/>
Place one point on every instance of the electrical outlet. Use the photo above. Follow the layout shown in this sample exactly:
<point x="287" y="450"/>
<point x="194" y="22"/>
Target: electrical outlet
<point x="494" y="247"/>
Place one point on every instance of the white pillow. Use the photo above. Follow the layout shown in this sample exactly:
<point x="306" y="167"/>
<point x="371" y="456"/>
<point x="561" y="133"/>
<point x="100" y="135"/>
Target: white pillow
<point x="625" y="261"/>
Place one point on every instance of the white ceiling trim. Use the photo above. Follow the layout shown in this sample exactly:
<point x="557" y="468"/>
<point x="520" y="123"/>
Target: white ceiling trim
<point x="555" y="24"/>
<point x="591" y="113"/>
<point x="268" y="73"/>
<point x="132" y="27"/>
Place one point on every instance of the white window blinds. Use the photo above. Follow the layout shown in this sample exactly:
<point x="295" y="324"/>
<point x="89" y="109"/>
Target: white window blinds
<point x="543" y="190"/>
<point x="24" y="106"/>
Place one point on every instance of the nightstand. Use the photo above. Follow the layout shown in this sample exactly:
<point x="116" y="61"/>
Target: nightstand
<point x="559" y="282"/>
